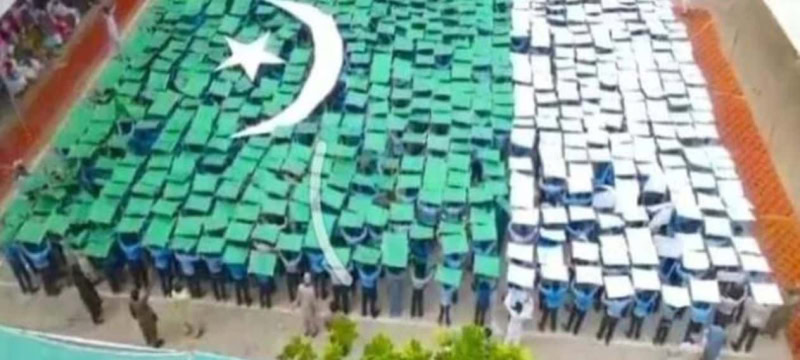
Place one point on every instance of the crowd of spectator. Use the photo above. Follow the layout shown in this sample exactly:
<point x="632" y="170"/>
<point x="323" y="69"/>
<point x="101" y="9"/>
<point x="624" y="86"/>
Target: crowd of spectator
<point x="31" y="34"/>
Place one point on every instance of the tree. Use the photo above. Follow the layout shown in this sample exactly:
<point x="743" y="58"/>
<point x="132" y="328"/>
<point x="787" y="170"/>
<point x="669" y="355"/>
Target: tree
<point x="298" y="349"/>
<point x="343" y="332"/>
<point x="415" y="351"/>
<point x="380" y="348"/>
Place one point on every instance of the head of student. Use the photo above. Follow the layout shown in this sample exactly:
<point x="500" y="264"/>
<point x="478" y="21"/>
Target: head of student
<point x="135" y="294"/>
<point x="307" y="278"/>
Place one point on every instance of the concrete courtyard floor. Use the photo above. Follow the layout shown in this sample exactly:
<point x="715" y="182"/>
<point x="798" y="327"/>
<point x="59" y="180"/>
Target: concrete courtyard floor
<point x="254" y="333"/>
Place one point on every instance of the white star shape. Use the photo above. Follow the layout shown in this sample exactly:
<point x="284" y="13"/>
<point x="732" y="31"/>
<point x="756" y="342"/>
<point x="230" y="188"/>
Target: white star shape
<point x="249" y="56"/>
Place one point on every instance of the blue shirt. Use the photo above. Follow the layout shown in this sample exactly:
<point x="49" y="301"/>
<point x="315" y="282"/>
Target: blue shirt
<point x="214" y="263"/>
<point x="715" y="341"/>
<point x="701" y="313"/>
<point x="616" y="308"/>
<point x="186" y="262"/>
<point x="484" y="294"/>
<point x="316" y="261"/>
<point x="40" y="259"/>
<point x="554" y="295"/>
<point x="454" y="261"/>
<point x="133" y="251"/>
<point x="369" y="280"/>
<point x="644" y="304"/>
<point x="161" y="257"/>
<point x="584" y="298"/>
<point x="13" y="255"/>
<point x="237" y="271"/>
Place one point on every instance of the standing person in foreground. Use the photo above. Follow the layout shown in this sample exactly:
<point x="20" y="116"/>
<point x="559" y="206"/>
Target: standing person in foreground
<point x="146" y="317"/>
<point x="520" y="311"/>
<point x="756" y="317"/>
<point x="714" y="341"/>
<point x="88" y="294"/>
<point x="307" y="302"/>
<point x="181" y="302"/>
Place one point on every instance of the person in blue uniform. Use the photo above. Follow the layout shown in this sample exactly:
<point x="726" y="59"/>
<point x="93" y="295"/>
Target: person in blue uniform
<point x="554" y="294"/>
<point x="368" y="276"/>
<point x="584" y="298"/>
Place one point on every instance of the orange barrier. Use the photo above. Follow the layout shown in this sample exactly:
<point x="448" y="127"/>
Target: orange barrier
<point x="777" y="226"/>
<point x="48" y="101"/>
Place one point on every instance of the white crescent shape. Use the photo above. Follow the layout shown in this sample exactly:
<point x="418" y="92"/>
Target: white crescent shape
<point x="328" y="60"/>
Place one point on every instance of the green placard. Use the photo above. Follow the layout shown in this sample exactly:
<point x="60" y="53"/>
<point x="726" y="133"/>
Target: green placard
<point x="367" y="255"/>
<point x="290" y="242"/>
<point x="487" y="265"/>
<point x="159" y="232"/>
<point x="262" y="263"/>
<point x="235" y="255"/>
<point x="212" y="245"/>
<point x="267" y="233"/>
<point x="395" y="249"/>
<point x="32" y="231"/>
<point x="238" y="232"/>
<point x="189" y="226"/>
<point x="449" y="276"/>
<point x="454" y="244"/>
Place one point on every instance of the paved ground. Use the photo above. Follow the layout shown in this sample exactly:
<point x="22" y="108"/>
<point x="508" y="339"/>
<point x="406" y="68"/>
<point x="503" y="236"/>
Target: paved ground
<point x="254" y="333"/>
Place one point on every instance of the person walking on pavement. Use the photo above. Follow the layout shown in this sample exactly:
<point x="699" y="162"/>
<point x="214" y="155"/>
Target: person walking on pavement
<point x="520" y="310"/>
<point x="307" y="303"/>
<point x="756" y="317"/>
<point x="148" y="320"/>
<point x="89" y="296"/>
<point x="714" y="341"/>
<point x="181" y="298"/>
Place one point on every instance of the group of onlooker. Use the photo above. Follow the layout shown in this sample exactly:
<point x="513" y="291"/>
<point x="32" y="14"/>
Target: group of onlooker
<point x="31" y="33"/>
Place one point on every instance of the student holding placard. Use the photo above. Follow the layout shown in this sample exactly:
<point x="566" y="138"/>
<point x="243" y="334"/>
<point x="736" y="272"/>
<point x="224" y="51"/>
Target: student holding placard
<point x="368" y="275"/>
<point x="644" y="304"/>
<point x="421" y="275"/>
<point x="756" y="317"/>
<point x="291" y="263"/>
<point x="729" y="303"/>
<point x="553" y="293"/>
<point x="584" y="298"/>
<point x="615" y="309"/>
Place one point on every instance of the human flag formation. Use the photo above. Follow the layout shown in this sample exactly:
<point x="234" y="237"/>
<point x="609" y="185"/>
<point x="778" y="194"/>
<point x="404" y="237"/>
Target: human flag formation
<point x="421" y="105"/>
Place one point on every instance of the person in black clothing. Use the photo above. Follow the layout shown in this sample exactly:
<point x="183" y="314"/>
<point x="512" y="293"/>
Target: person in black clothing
<point x="91" y="299"/>
<point x="476" y="168"/>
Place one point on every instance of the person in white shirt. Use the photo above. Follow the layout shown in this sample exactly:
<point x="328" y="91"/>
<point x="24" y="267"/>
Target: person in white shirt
<point x="181" y="298"/>
<point x="519" y="312"/>
<point x="756" y="317"/>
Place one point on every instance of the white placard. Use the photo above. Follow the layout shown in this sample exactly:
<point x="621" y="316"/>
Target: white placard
<point x="554" y="215"/>
<point x="521" y="276"/>
<point x="520" y="252"/>
<point x="695" y="260"/>
<point x="675" y="296"/>
<point x="766" y="294"/>
<point x="746" y="245"/>
<point x="723" y="256"/>
<point x="645" y="279"/>
<point x="587" y="274"/>
<point x="585" y="251"/>
<point x="704" y="290"/>
<point x="550" y="254"/>
<point x="618" y="286"/>
<point x="755" y="263"/>
<point x="553" y="271"/>
<point x="614" y="250"/>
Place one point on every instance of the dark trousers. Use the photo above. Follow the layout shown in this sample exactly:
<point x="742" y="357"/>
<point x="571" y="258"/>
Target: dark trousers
<point x="444" y="314"/>
<point x="242" y="292"/>
<point x="480" y="314"/>
<point x="748" y="334"/>
<point x="139" y="274"/>
<point x="321" y="285"/>
<point x="636" y="327"/>
<point x="607" y="327"/>
<point x="265" y="295"/>
<point x="662" y="331"/>
<point x="369" y="298"/>
<point x="218" y="286"/>
<point x="112" y="275"/>
<point x="722" y="319"/>
<point x="165" y="277"/>
<point x="551" y="314"/>
<point x="194" y="285"/>
<point x="341" y="297"/>
<point x="23" y="278"/>
<point x="692" y="328"/>
<point x="575" y="320"/>
<point x="292" y="281"/>
<point x="417" y="303"/>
